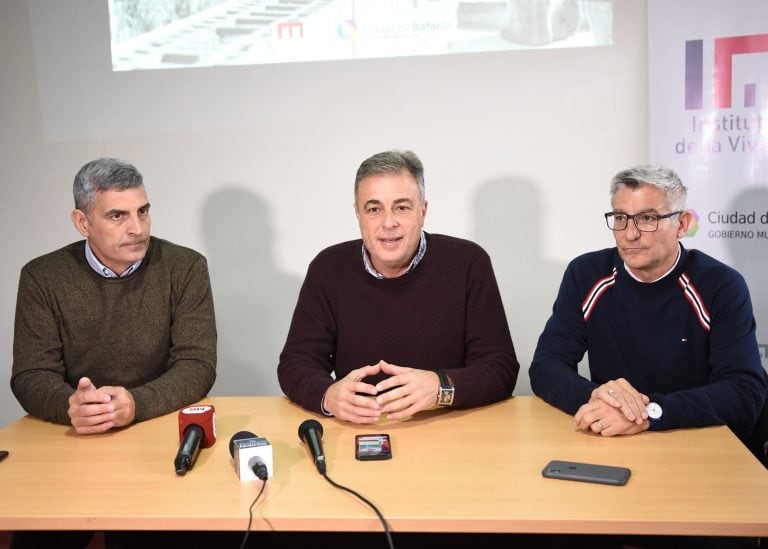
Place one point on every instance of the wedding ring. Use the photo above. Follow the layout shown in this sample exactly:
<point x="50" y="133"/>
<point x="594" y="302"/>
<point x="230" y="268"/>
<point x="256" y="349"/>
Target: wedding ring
<point x="611" y="392"/>
<point x="599" y="424"/>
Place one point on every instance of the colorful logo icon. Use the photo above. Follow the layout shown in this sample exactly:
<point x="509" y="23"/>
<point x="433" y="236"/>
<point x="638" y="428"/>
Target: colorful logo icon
<point x="347" y="29"/>
<point x="694" y="228"/>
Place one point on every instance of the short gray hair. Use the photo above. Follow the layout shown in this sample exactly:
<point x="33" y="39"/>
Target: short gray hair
<point x="103" y="174"/>
<point x="392" y="162"/>
<point x="652" y="174"/>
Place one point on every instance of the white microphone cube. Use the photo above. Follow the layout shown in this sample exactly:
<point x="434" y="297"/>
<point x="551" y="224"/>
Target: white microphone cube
<point x="248" y="453"/>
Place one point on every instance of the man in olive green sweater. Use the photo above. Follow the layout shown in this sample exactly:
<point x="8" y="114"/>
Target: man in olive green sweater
<point x="116" y="328"/>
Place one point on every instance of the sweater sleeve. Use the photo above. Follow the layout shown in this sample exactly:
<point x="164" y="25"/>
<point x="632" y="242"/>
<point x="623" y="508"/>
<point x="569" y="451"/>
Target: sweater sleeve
<point x="38" y="373"/>
<point x="307" y="358"/>
<point x="491" y="366"/>
<point x="191" y="369"/>
<point x="736" y="390"/>
<point x="554" y="370"/>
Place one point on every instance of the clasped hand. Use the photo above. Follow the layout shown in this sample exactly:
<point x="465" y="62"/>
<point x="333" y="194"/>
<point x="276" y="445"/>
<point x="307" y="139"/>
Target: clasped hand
<point x="94" y="411"/>
<point x="614" y="408"/>
<point x="407" y="391"/>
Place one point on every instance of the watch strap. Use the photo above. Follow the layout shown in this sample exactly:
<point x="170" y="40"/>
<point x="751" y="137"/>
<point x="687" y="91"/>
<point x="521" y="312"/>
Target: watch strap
<point x="446" y="391"/>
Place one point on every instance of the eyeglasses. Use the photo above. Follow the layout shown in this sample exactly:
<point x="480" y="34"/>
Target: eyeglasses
<point x="645" y="222"/>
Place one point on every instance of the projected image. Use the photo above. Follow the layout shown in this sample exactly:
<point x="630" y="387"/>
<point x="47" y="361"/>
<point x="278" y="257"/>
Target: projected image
<point x="158" y="34"/>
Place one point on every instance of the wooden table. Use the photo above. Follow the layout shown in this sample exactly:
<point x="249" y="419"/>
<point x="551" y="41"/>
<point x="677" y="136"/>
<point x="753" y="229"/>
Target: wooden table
<point x="452" y="471"/>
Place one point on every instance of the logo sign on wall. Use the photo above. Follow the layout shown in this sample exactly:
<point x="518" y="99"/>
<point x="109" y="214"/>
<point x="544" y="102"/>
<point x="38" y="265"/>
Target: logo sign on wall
<point x="708" y="92"/>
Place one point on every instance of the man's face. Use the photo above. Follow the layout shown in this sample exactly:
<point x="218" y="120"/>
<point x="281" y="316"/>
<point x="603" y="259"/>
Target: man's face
<point x="391" y="215"/>
<point x="117" y="227"/>
<point x="648" y="255"/>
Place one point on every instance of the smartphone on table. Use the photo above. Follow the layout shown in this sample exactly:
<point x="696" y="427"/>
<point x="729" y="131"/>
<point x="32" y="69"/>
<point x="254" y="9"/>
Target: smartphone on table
<point x="373" y="447"/>
<point x="587" y="472"/>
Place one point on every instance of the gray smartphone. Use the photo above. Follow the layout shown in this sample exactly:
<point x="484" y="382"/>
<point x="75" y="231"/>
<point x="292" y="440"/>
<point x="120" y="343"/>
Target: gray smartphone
<point x="587" y="472"/>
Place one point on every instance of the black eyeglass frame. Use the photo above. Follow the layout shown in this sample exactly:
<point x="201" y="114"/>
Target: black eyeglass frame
<point x="633" y="217"/>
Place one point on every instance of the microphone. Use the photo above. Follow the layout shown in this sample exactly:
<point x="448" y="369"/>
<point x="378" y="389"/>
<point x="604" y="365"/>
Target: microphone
<point x="311" y="433"/>
<point x="197" y="429"/>
<point x="252" y="455"/>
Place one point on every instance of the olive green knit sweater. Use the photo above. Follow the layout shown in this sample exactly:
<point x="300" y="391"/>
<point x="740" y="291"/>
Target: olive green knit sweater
<point x="152" y="332"/>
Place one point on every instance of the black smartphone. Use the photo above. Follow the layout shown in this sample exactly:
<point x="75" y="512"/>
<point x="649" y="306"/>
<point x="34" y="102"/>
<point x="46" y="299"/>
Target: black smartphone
<point x="368" y="447"/>
<point x="587" y="472"/>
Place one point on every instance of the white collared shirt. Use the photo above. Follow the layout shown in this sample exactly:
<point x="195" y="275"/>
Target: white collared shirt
<point x="102" y="269"/>
<point x="414" y="262"/>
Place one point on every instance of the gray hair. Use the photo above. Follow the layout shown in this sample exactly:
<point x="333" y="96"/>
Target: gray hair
<point x="103" y="174"/>
<point x="652" y="174"/>
<point x="392" y="162"/>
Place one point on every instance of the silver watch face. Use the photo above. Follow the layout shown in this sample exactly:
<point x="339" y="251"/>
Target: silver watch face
<point x="446" y="397"/>
<point x="654" y="410"/>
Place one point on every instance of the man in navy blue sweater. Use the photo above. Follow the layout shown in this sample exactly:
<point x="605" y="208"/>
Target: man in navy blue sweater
<point x="669" y="331"/>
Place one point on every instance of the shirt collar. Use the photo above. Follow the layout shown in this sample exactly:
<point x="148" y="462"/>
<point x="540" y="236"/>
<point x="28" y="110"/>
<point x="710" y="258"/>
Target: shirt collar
<point x="414" y="262"/>
<point x="102" y="269"/>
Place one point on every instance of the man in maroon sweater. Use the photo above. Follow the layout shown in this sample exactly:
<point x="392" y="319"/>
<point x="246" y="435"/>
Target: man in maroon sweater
<point x="399" y="321"/>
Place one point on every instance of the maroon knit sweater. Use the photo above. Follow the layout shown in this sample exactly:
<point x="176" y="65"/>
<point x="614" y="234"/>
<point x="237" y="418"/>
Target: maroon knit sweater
<point x="446" y="314"/>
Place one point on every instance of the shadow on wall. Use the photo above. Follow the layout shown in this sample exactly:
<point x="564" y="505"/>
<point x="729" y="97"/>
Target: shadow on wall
<point x="508" y="217"/>
<point x="254" y="301"/>
<point x="748" y="256"/>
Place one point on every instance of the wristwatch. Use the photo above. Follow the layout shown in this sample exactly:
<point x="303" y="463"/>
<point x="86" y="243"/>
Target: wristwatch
<point x="654" y="413"/>
<point x="446" y="391"/>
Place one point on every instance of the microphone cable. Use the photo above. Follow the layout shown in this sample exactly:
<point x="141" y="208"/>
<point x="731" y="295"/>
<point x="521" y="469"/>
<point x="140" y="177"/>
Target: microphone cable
<point x="371" y="505"/>
<point x="261" y="472"/>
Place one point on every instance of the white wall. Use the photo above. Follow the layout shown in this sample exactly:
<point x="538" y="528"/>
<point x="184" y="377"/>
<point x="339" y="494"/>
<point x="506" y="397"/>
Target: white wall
<point x="253" y="166"/>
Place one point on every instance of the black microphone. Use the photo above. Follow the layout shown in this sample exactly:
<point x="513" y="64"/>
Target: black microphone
<point x="252" y="455"/>
<point x="311" y="433"/>
<point x="238" y="436"/>
<point x="197" y="427"/>
<point x="190" y="447"/>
